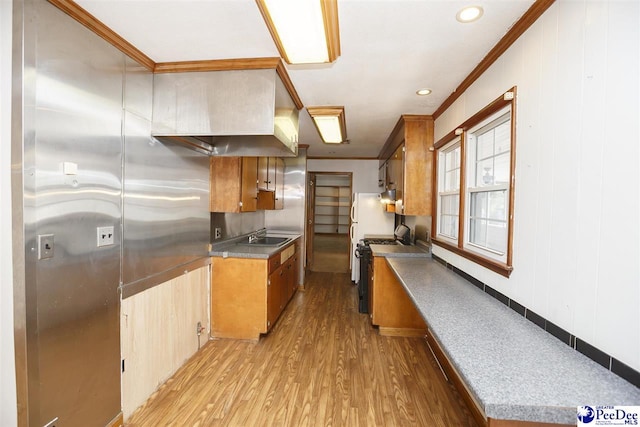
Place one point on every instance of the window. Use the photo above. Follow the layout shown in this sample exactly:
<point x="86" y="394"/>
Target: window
<point x="489" y="148"/>
<point x="449" y="191"/>
<point x="474" y="201"/>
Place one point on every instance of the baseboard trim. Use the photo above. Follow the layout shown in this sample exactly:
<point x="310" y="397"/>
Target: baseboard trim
<point x="402" y="332"/>
<point x="118" y="421"/>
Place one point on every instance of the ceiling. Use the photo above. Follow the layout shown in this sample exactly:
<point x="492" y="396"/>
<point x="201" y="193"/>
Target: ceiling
<point x="390" y="49"/>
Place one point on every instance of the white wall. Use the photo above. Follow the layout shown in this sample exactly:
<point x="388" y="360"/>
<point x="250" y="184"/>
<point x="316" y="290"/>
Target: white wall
<point x="8" y="414"/>
<point x="365" y="172"/>
<point x="577" y="216"/>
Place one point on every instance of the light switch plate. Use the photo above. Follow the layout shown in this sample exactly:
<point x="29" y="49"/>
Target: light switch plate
<point x="105" y="236"/>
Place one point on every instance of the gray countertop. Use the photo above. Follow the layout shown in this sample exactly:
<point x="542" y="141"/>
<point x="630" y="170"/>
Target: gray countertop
<point x="399" y="251"/>
<point x="233" y="248"/>
<point x="516" y="370"/>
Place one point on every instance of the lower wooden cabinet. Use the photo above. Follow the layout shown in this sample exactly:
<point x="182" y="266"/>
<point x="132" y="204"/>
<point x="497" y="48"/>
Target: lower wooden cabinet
<point x="248" y="295"/>
<point x="391" y="308"/>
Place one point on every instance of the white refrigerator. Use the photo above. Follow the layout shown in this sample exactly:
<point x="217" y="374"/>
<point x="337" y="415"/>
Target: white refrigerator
<point x="368" y="216"/>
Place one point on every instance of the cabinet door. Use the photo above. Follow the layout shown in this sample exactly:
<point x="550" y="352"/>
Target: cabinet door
<point x="418" y="167"/>
<point x="266" y="200"/>
<point x="249" y="184"/>
<point x="274" y="296"/>
<point x="370" y="284"/>
<point x="263" y="174"/>
<point x="382" y="176"/>
<point x="225" y="184"/>
<point x="266" y="173"/>
<point x="279" y="183"/>
<point x="232" y="184"/>
<point x="393" y="310"/>
<point x="395" y="169"/>
<point x="296" y="271"/>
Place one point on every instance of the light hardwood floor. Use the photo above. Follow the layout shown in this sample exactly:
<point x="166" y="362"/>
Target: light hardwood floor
<point x="331" y="253"/>
<point x="321" y="365"/>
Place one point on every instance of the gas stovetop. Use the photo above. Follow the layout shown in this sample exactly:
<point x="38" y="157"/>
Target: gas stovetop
<point x="368" y="242"/>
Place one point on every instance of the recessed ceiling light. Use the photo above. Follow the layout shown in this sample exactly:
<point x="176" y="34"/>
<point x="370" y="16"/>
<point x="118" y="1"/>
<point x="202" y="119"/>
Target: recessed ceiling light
<point x="423" y="92"/>
<point x="469" y="14"/>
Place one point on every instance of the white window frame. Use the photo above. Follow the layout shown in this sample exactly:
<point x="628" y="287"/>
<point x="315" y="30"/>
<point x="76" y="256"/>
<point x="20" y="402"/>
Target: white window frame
<point x="442" y="171"/>
<point x="471" y="188"/>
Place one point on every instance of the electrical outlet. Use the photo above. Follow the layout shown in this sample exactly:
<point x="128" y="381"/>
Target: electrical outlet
<point x="105" y="236"/>
<point x="45" y="246"/>
<point x="217" y="233"/>
<point x="199" y="328"/>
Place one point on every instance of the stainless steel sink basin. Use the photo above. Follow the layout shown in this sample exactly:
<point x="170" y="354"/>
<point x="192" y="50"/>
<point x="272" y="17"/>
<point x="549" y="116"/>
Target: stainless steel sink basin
<point x="267" y="241"/>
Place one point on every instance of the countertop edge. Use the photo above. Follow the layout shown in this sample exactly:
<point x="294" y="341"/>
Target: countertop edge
<point x="232" y="249"/>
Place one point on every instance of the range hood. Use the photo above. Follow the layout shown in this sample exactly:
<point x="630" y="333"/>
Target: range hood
<point x="389" y="196"/>
<point x="226" y="113"/>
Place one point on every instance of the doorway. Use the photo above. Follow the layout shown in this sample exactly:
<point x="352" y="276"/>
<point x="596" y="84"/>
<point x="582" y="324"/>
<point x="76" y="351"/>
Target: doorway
<point x="329" y="221"/>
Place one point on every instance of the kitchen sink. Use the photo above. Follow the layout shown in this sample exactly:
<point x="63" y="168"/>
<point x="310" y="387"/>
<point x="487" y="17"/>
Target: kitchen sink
<point x="267" y="241"/>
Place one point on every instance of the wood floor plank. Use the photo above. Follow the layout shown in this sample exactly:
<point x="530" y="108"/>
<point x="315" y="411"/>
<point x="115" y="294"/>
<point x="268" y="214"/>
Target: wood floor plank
<point x="321" y="365"/>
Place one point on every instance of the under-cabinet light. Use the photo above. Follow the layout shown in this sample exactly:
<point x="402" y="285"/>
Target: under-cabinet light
<point x="330" y="123"/>
<point x="305" y="31"/>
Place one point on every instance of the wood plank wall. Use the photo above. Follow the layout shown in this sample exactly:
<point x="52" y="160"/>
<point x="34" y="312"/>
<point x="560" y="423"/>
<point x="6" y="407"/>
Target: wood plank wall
<point x="158" y="333"/>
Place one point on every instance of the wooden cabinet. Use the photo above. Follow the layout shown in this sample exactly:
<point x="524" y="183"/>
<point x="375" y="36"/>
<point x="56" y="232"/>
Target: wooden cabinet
<point x="382" y="176"/>
<point x="279" y="189"/>
<point x="410" y="162"/>
<point x="248" y="295"/>
<point x="266" y="173"/>
<point x="391" y="308"/>
<point x="233" y="184"/>
<point x="270" y="183"/>
<point x="395" y="169"/>
<point x="275" y="295"/>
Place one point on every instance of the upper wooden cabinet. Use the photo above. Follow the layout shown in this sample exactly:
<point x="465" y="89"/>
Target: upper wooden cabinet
<point x="395" y="171"/>
<point x="266" y="173"/>
<point x="233" y="184"/>
<point x="410" y="158"/>
<point x="270" y="183"/>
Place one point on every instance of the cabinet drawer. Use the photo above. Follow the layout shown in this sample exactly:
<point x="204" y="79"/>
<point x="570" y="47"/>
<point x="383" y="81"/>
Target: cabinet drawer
<point x="274" y="262"/>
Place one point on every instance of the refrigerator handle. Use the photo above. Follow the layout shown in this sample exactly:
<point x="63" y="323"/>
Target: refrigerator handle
<point x="351" y="232"/>
<point x="353" y="212"/>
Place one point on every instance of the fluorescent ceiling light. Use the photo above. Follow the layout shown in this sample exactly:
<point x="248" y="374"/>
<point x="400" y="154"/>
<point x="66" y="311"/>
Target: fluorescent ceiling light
<point x="305" y="31"/>
<point x="469" y="14"/>
<point x="423" y="92"/>
<point x="330" y="123"/>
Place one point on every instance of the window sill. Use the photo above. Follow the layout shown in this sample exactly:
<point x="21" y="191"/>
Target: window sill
<point x="495" y="266"/>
